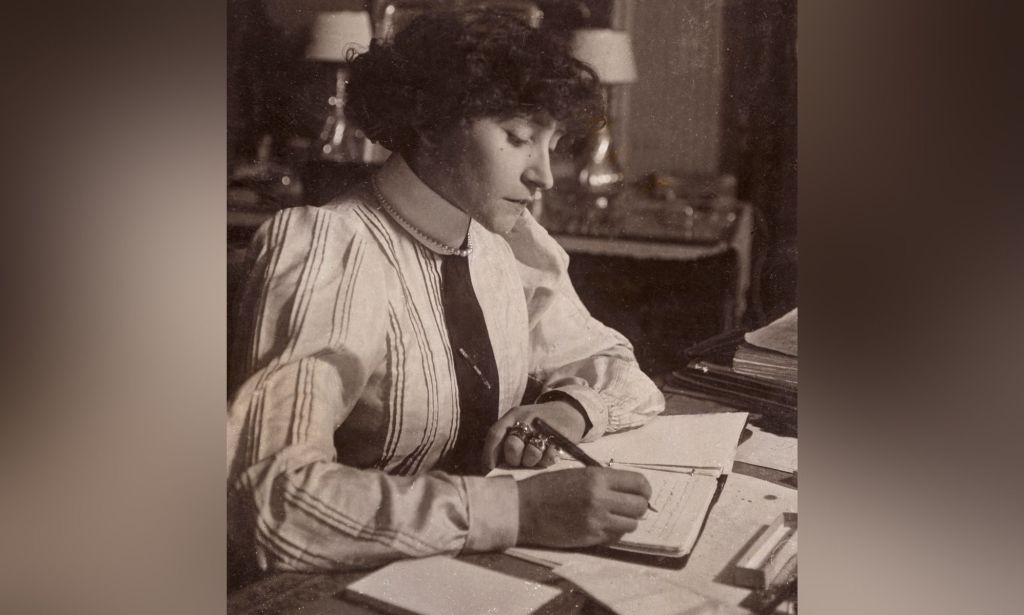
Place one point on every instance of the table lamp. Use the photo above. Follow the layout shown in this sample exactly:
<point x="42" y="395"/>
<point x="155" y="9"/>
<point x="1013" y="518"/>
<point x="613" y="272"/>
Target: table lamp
<point x="610" y="54"/>
<point x="334" y="36"/>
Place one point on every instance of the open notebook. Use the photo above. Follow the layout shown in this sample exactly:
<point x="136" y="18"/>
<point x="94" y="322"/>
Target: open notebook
<point x="681" y="497"/>
<point x="681" y="457"/>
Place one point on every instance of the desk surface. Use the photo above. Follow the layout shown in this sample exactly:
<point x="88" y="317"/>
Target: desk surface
<point x="319" y="594"/>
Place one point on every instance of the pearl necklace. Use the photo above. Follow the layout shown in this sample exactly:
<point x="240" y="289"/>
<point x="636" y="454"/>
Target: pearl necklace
<point x="443" y="247"/>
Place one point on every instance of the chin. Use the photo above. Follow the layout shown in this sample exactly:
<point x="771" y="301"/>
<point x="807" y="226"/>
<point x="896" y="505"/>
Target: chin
<point x="502" y="225"/>
<point x="510" y="224"/>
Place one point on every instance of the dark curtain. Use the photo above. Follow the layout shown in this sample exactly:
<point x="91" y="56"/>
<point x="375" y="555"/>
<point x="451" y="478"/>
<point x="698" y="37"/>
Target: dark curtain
<point x="760" y="139"/>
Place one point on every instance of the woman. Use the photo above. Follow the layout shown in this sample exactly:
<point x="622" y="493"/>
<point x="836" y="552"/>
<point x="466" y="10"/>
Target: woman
<point x="401" y="338"/>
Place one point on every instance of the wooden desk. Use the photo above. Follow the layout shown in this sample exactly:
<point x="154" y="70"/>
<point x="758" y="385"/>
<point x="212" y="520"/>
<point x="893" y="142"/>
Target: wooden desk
<point x="320" y="594"/>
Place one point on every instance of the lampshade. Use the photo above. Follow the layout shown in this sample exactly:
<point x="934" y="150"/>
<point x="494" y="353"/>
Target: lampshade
<point x="334" y="34"/>
<point x="608" y="52"/>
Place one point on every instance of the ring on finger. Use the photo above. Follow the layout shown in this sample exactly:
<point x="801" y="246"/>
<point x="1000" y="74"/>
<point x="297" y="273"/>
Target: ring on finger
<point x="522" y="431"/>
<point x="538" y="441"/>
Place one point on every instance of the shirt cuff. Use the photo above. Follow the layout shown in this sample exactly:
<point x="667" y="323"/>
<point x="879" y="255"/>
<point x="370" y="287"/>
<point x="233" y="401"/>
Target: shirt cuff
<point x="493" y="513"/>
<point x="591" y="403"/>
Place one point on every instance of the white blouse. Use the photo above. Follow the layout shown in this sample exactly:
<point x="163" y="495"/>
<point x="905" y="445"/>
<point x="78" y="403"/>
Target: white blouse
<point x="346" y="394"/>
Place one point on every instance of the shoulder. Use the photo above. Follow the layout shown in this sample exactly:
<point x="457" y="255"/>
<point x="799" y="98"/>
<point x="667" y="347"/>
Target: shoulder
<point x="343" y="221"/>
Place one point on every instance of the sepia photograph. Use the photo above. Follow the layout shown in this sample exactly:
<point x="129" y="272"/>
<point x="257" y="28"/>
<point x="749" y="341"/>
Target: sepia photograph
<point x="511" y="307"/>
<point x="490" y="307"/>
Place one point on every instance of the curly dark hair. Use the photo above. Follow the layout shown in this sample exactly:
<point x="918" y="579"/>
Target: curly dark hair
<point x="444" y="67"/>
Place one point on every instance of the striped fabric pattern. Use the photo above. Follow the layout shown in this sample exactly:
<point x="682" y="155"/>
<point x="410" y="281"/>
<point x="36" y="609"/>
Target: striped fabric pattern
<point x="345" y="393"/>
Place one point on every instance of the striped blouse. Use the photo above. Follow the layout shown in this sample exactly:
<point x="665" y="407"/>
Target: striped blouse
<point x="345" y="393"/>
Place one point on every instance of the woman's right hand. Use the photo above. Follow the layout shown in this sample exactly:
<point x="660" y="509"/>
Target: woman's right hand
<point x="580" y="507"/>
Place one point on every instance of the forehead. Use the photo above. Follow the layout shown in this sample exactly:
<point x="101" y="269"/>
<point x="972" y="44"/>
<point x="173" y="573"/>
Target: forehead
<point x="540" y="121"/>
<point x="487" y="126"/>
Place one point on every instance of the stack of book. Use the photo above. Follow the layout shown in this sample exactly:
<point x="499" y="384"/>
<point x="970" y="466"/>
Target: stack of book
<point x="765" y="364"/>
<point x="770" y="352"/>
<point x="754" y="371"/>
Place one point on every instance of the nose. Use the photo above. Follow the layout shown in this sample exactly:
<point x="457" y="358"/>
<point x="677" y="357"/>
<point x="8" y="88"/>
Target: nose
<point x="538" y="173"/>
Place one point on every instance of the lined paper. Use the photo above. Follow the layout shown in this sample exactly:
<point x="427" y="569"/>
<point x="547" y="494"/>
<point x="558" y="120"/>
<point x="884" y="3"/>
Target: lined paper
<point x="681" y="501"/>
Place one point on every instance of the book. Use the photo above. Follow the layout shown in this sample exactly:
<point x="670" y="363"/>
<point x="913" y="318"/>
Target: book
<point x="765" y="364"/>
<point x="770" y="353"/>
<point x="681" y="496"/>
<point x="756" y="371"/>
<point x="723" y="386"/>
<point x="442" y="585"/>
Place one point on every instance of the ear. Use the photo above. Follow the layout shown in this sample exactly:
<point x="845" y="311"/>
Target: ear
<point x="431" y="137"/>
<point x="426" y="138"/>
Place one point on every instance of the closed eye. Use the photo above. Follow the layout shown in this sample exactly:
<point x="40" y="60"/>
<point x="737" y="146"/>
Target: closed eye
<point x="555" y="141"/>
<point x="515" y="140"/>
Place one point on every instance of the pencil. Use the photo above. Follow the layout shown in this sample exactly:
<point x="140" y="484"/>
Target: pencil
<point x="570" y="447"/>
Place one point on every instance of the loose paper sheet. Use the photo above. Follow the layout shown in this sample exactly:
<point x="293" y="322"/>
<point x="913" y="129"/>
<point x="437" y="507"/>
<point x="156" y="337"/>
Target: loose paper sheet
<point x="745" y="507"/>
<point x="442" y="585"/>
<point x="780" y="335"/>
<point x="768" y="450"/>
<point x="627" y="590"/>
<point x="681" y="439"/>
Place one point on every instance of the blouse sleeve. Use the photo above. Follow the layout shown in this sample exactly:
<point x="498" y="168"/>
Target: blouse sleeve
<point x="572" y="353"/>
<point x="313" y="328"/>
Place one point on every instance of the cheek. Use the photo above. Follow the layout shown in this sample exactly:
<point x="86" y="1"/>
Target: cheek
<point x="503" y="169"/>
<point x="485" y="178"/>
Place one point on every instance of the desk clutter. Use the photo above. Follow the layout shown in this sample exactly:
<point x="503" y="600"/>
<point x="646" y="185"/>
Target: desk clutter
<point x="743" y="519"/>
<point x="755" y="371"/>
<point x="768" y="557"/>
<point x="770" y="353"/>
<point x="682" y="457"/>
<point x="735" y="563"/>
<point x="720" y="542"/>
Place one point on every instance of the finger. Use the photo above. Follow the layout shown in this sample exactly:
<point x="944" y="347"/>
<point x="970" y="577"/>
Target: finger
<point x="550" y="456"/>
<point x="629" y="482"/>
<point x="612" y="528"/>
<point x="513" y="450"/>
<point x="616" y="526"/>
<point x="627" y="505"/>
<point x="531" y="456"/>
<point x="495" y="435"/>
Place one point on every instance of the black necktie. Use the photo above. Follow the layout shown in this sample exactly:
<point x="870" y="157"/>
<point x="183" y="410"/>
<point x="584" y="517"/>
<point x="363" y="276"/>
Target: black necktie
<point x="475" y="369"/>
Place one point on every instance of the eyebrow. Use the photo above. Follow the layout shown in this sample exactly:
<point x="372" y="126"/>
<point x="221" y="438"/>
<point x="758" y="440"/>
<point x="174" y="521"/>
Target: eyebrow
<point x="536" y="122"/>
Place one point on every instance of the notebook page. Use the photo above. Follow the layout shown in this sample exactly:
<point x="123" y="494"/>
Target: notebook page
<point x="680" y="440"/>
<point x="681" y="498"/>
<point x="682" y="501"/>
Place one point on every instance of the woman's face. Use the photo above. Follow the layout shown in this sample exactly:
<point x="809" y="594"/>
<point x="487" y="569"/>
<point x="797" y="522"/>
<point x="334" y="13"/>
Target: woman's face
<point x="492" y="168"/>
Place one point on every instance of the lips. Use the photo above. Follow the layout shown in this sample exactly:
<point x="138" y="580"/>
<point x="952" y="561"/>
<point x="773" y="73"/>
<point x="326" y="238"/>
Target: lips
<point x="523" y="202"/>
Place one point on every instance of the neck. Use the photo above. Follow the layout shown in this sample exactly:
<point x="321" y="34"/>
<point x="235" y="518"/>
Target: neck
<point x="438" y="217"/>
